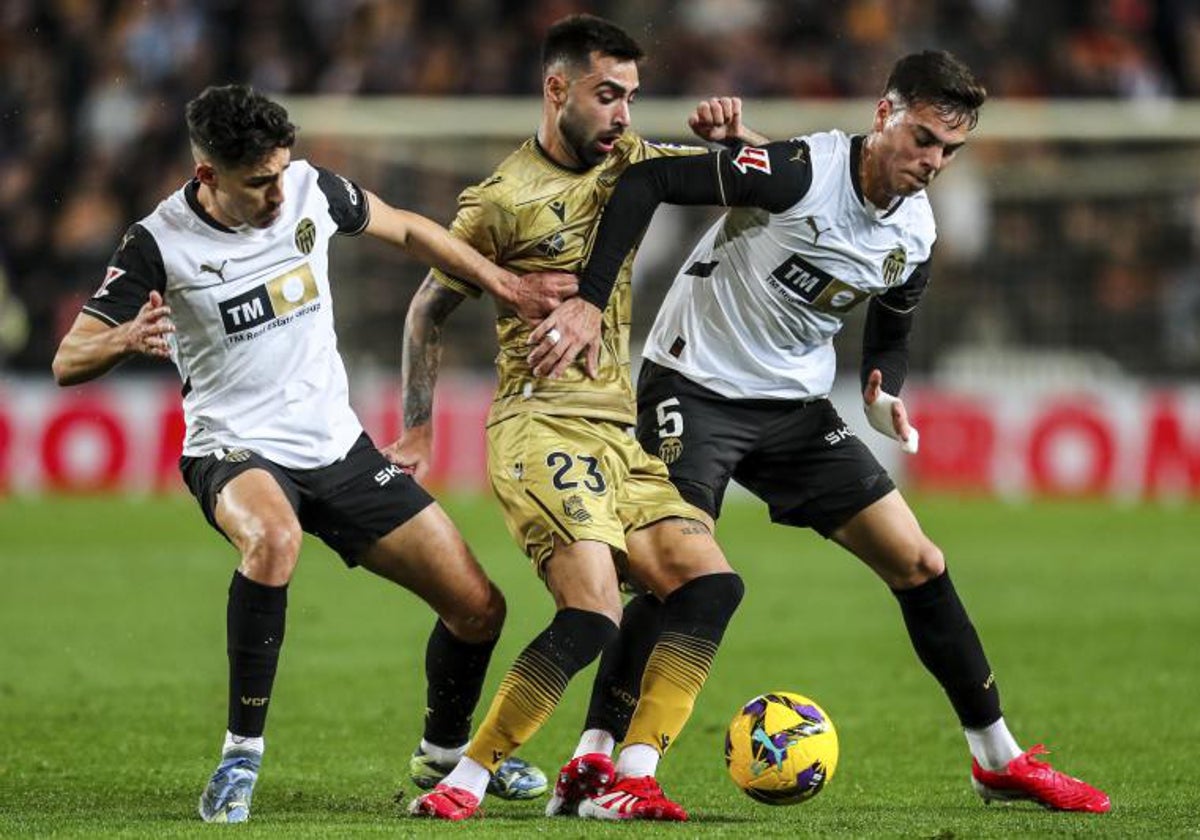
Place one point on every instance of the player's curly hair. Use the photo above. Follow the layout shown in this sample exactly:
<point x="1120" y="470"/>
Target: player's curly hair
<point x="573" y="39"/>
<point x="937" y="78"/>
<point x="236" y="125"/>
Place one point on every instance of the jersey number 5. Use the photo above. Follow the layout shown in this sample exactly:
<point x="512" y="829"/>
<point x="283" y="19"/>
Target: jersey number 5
<point x="670" y="423"/>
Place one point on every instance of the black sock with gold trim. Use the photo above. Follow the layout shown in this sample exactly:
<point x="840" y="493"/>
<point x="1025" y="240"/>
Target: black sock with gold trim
<point x="533" y="686"/>
<point x="946" y="643"/>
<point x="695" y="617"/>
<point x="618" y="681"/>
<point x="454" y="675"/>
<point x="254" y="622"/>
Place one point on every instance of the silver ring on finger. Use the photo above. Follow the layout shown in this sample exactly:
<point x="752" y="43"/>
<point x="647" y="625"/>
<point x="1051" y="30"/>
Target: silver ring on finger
<point x="553" y="335"/>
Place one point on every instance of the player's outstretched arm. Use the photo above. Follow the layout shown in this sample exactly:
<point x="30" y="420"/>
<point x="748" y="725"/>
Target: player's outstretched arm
<point x="773" y="178"/>
<point x="531" y="296"/>
<point x="718" y="119"/>
<point x="91" y="347"/>
<point x="422" y="356"/>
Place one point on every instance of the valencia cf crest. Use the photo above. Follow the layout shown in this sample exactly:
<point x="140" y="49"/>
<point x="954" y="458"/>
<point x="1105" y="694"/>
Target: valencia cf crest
<point x="306" y="235"/>
<point x="575" y="510"/>
<point x="670" y="450"/>
<point x="893" y="266"/>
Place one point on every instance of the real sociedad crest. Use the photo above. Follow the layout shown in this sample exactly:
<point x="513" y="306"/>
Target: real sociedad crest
<point x="306" y="235"/>
<point x="552" y="245"/>
<point x="893" y="266"/>
<point x="575" y="509"/>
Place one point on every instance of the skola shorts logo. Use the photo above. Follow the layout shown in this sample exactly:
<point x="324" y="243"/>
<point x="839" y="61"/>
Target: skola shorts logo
<point x="670" y="450"/>
<point x="385" y="475"/>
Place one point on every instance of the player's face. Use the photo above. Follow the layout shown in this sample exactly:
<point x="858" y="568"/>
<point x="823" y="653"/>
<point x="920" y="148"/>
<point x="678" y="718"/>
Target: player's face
<point x="597" y="107"/>
<point x="912" y="145"/>
<point x="251" y="194"/>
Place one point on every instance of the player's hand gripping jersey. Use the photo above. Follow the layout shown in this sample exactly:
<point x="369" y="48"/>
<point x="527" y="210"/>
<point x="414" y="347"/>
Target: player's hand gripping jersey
<point x="754" y="308"/>
<point x="254" y="339"/>
<point x="534" y="215"/>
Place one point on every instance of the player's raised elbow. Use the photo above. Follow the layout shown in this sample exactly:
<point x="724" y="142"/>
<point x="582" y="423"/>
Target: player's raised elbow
<point x="62" y="370"/>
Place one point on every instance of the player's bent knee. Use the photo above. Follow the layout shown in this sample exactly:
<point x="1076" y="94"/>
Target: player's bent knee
<point x="924" y="562"/>
<point x="269" y="556"/>
<point x="931" y="563"/>
<point x="478" y="619"/>
<point x="678" y="551"/>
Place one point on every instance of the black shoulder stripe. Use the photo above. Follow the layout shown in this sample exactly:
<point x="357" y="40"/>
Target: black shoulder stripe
<point x="347" y="202"/>
<point x="135" y="270"/>
<point x="773" y="177"/>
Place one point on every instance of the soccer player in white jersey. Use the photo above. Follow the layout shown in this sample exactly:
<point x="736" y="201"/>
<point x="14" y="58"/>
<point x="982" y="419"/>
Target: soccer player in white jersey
<point x="228" y="278"/>
<point x="740" y="361"/>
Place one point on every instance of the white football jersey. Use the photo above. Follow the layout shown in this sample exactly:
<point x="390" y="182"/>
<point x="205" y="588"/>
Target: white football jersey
<point x="753" y="311"/>
<point x="254" y="336"/>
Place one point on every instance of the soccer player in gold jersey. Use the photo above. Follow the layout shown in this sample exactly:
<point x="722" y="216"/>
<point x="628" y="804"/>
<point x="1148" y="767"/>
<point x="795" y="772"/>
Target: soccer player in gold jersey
<point x="587" y="505"/>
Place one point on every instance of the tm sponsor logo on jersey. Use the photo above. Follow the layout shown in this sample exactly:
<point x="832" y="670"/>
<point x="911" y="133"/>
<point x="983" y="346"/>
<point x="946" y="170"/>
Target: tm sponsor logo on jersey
<point x="275" y="303"/>
<point x="796" y="277"/>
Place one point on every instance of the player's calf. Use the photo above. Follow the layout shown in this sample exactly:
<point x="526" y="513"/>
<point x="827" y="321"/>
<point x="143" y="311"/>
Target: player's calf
<point x="695" y="617"/>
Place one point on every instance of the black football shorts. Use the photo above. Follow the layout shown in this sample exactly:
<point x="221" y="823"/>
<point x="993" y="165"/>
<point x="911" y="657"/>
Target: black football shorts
<point x="349" y="504"/>
<point x="797" y="456"/>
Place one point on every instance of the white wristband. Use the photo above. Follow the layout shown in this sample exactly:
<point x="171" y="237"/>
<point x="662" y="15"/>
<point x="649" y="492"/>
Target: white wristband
<point x="879" y="415"/>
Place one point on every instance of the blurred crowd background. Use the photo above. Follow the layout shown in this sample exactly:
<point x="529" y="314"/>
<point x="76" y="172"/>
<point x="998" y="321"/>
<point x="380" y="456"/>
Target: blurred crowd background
<point x="1047" y="247"/>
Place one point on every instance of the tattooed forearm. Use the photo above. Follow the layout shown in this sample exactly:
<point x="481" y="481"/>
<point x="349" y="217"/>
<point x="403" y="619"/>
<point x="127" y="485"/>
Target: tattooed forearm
<point x="430" y="308"/>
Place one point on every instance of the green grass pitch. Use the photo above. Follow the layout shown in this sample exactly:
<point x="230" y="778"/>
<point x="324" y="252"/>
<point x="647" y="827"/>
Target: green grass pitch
<point x="112" y="672"/>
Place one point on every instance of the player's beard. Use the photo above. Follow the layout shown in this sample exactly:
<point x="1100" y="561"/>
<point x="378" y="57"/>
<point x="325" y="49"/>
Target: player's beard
<point x="583" y="146"/>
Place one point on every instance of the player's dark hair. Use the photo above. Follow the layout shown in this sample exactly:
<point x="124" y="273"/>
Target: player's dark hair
<point x="937" y="78"/>
<point x="573" y="40"/>
<point x="237" y="125"/>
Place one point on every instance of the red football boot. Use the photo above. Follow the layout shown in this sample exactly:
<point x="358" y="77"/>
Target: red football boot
<point x="633" y="798"/>
<point x="1027" y="778"/>
<point x="445" y="803"/>
<point x="580" y="778"/>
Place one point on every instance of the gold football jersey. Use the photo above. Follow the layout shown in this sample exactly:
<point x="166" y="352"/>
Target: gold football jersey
<point x="534" y="215"/>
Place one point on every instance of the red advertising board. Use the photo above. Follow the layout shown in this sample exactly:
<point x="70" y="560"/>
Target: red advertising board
<point x="1132" y="442"/>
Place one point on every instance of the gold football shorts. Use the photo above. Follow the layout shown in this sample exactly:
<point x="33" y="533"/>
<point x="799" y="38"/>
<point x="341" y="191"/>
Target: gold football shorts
<point x="573" y="478"/>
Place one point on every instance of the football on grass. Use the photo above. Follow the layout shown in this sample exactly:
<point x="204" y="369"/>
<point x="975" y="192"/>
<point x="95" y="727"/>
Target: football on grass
<point x="781" y="748"/>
